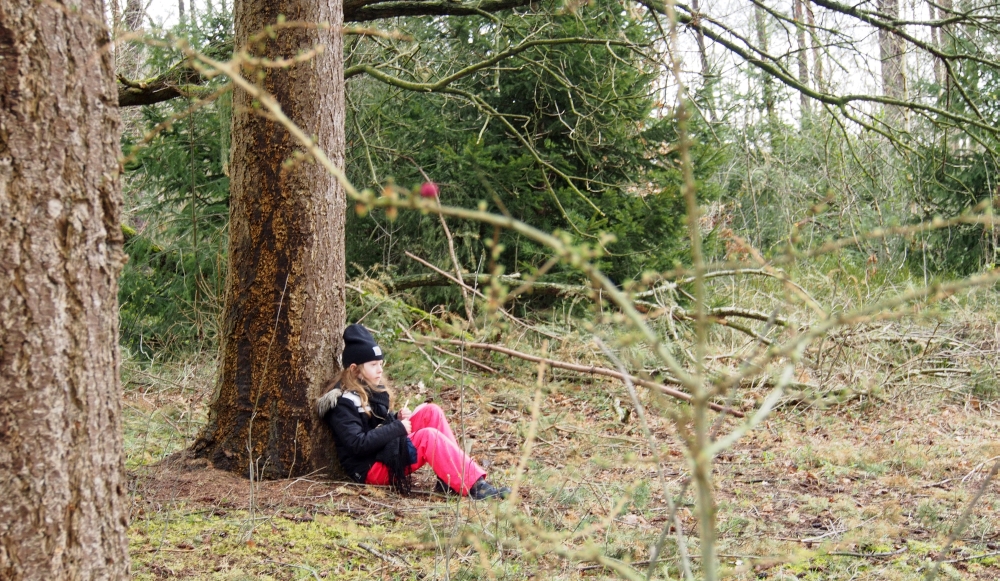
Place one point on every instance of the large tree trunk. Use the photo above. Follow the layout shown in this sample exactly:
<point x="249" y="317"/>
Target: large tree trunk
<point x="62" y="513"/>
<point x="284" y="306"/>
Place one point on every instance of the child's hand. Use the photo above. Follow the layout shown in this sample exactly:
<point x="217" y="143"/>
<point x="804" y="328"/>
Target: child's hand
<point x="405" y="413"/>
<point x="406" y="424"/>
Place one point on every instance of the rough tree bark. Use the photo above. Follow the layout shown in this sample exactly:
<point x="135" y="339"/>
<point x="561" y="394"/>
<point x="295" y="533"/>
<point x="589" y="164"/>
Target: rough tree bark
<point x="62" y="514"/>
<point x="284" y="306"/>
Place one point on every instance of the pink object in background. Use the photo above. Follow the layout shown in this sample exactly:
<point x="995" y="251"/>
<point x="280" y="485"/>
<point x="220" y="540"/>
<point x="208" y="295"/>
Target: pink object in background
<point x="429" y="190"/>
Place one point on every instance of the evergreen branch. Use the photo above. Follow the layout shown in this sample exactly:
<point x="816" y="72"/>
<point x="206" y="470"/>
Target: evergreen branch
<point x="443" y="86"/>
<point x="440" y="84"/>
<point x="432" y="280"/>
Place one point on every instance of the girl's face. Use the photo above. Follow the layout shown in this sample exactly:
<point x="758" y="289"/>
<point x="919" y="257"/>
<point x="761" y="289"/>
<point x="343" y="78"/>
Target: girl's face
<point x="371" y="372"/>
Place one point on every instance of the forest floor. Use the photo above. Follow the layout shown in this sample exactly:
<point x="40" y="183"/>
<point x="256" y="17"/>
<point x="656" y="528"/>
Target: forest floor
<point x="864" y="483"/>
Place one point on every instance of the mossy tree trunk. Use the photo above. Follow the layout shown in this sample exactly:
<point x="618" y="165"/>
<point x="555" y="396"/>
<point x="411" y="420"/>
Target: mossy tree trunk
<point x="284" y="304"/>
<point x="63" y="511"/>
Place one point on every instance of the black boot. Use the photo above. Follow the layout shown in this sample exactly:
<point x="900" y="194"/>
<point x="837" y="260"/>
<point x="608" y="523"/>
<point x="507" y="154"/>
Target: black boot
<point x="482" y="490"/>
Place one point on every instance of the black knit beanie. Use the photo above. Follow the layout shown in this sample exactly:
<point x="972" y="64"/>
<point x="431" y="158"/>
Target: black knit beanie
<point x="359" y="346"/>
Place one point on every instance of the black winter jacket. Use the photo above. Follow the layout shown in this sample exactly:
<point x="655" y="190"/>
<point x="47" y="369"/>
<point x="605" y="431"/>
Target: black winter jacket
<point x="360" y="437"/>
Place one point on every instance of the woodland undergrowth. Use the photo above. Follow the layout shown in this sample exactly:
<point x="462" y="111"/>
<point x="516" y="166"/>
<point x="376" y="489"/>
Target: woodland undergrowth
<point x="862" y="470"/>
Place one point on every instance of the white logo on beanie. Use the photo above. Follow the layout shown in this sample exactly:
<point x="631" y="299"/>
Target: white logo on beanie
<point x="378" y="351"/>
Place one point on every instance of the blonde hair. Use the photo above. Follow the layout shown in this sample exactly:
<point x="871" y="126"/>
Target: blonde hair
<point x="351" y="381"/>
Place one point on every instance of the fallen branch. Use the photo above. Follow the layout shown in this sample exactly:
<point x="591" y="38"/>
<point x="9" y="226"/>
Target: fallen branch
<point x="978" y="466"/>
<point x="541" y="288"/>
<point x="468" y="360"/>
<point x="291" y="565"/>
<point x="436" y="365"/>
<point x="723" y="312"/>
<point x="719" y="317"/>
<point x="718" y="273"/>
<point x="180" y="80"/>
<point x="566" y="290"/>
<point x="593" y="370"/>
<point x="602" y="566"/>
<point x="973" y="557"/>
<point x="898" y="551"/>
<point x="387" y="557"/>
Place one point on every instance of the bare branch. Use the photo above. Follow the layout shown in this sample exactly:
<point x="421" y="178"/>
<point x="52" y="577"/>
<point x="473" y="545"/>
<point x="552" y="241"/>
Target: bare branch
<point x="367" y="10"/>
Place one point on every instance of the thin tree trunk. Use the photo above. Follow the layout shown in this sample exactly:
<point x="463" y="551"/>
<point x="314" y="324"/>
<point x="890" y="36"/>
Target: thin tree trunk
<point x="817" y="49"/>
<point x="180" y="11"/>
<point x="766" y="80"/>
<point x="706" y="69"/>
<point x="128" y="55"/>
<point x="63" y="512"/>
<point x="133" y="14"/>
<point x="936" y="38"/>
<point x="802" y="57"/>
<point x="941" y="36"/>
<point x="891" y="49"/>
<point x="284" y="305"/>
<point x="116" y="17"/>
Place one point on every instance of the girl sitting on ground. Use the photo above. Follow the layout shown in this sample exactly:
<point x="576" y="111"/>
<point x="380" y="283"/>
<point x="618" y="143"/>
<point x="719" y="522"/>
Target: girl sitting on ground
<point x="378" y="447"/>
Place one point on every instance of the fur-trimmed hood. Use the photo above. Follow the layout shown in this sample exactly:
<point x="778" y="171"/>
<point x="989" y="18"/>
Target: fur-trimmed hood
<point x="328" y="401"/>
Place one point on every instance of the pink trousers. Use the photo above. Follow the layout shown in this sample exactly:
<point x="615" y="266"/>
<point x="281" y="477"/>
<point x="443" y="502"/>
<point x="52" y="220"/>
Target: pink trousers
<point x="436" y="445"/>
